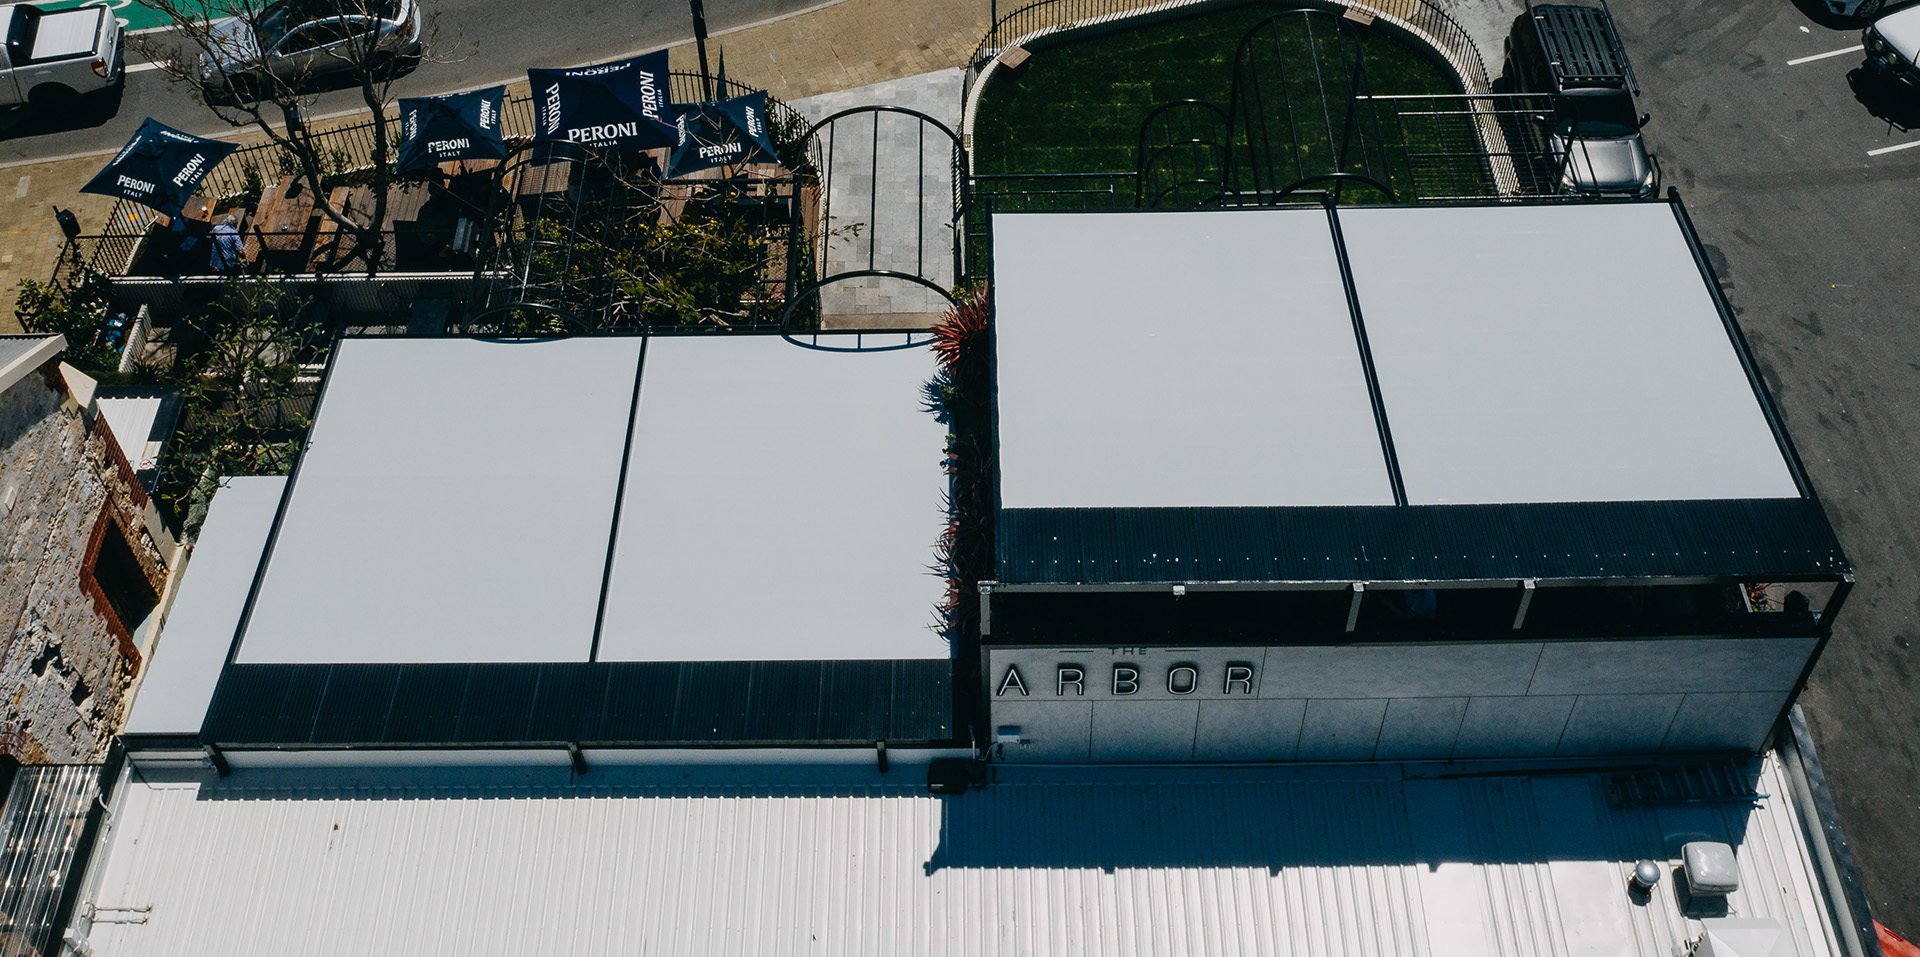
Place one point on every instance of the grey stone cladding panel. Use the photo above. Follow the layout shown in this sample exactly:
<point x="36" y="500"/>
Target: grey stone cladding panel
<point x="1049" y="730"/>
<point x="1399" y="671"/>
<point x="1128" y="731"/>
<point x="1420" y="728"/>
<point x="1263" y="730"/>
<point x="1724" y="722"/>
<point x="1341" y="729"/>
<point x="1676" y="665"/>
<point x="1500" y="727"/>
<point x="1619" y="723"/>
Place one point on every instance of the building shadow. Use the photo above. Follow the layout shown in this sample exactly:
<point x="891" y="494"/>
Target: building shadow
<point x="1278" y="824"/>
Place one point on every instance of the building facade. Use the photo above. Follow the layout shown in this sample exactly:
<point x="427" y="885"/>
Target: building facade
<point x="86" y="561"/>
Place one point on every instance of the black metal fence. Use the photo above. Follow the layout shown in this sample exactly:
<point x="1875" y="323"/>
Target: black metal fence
<point x="1421" y="18"/>
<point x="1471" y="146"/>
<point x="345" y="153"/>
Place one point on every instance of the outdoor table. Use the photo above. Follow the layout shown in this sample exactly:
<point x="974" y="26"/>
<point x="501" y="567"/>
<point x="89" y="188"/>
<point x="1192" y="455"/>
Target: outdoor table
<point x="468" y="166"/>
<point x="281" y="219"/>
<point x="198" y="208"/>
<point x="326" y="239"/>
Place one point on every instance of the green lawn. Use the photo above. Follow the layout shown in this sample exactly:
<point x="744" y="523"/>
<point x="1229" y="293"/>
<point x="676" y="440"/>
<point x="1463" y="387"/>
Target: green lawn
<point x="1078" y="107"/>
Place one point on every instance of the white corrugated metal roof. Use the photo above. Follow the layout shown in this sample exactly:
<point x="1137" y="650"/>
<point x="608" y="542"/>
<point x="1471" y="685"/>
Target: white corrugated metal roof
<point x="1347" y="862"/>
<point x="130" y="419"/>
<point x="20" y="355"/>
<point x="192" y="646"/>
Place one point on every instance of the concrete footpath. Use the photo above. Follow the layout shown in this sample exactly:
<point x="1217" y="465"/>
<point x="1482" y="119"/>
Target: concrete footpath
<point x="850" y="43"/>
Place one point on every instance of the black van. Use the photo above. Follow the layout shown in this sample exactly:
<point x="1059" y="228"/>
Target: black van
<point x="1572" y="54"/>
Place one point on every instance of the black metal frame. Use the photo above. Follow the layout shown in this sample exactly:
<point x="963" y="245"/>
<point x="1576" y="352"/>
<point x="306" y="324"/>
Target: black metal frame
<point x="1251" y="114"/>
<point x="811" y="270"/>
<point x="1215" y="144"/>
<point x="1752" y="540"/>
<point x="919" y="709"/>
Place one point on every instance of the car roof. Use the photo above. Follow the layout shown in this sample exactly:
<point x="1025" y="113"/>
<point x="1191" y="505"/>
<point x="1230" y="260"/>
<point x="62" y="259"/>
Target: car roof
<point x="1582" y="44"/>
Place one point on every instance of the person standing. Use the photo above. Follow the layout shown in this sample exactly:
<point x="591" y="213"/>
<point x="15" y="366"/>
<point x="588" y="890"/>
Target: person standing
<point x="229" y="250"/>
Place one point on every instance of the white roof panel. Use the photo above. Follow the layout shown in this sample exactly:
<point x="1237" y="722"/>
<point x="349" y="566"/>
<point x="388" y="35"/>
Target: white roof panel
<point x="782" y="503"/>
<point x="131" y="421"/>
<point x="1179" y="359"/>
<point x="193" y="643"/>
<point x="453" y="504"/>
<point x="1561" y="353"/>
<point x="787" y="861"/>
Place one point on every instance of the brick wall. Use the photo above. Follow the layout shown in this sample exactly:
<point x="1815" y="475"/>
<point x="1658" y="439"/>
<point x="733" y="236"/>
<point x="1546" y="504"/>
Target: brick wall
<point x="67" y="662"/>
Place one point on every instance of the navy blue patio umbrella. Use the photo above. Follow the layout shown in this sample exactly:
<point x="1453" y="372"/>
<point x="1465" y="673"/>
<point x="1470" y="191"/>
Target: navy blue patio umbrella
<point x="160" y="167"/>
<point x="625" y="104"/>
<point x="442" y="129"/>
<point x="722" y="133"/>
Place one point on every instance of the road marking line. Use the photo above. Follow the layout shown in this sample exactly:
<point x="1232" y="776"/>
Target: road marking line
<point x="20" y="192"/>
<point x="1893" y="149"/>
<point x="142" y="67"/>
<point x="1856" y="48"/>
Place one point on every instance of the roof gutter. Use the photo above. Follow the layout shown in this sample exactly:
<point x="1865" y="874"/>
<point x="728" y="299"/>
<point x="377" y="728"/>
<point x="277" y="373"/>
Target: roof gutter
<point x="34" y="358"/>
<point x="1846" y="899"/>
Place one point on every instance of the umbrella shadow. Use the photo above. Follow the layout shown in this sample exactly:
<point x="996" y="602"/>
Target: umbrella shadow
<point x="86" y="112"/>
<point x="1887" y="100"/>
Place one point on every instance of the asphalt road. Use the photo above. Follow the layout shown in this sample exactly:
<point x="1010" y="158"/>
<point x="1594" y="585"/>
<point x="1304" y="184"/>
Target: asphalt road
<point x="1814" y="238"/>
<point x="471" y="43"/>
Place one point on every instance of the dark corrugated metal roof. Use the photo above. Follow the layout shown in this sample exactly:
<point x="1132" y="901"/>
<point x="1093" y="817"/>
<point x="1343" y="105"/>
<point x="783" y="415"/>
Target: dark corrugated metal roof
<point x="1755" y="540"/>
<point x="603" y="704"/>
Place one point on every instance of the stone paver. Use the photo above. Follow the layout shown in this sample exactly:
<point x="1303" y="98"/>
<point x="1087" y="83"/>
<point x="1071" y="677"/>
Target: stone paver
<point x="902" y="220"/>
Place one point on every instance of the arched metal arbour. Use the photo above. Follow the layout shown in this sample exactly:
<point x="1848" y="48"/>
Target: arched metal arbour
<point x="1205" y="131"/>
<point x="1297" y="126"/>
<point x="815" y="268"/>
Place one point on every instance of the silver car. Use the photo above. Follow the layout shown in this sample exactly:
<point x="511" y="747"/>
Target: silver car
<point x="1598" y="142"/>
<point x="296" y="40"/>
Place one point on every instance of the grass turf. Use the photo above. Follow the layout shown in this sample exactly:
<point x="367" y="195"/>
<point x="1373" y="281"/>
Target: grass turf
<point x="1078" y="107"/>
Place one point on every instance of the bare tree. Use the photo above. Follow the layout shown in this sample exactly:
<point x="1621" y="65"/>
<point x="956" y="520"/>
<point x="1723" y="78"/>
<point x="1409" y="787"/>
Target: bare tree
<point x="260" y="65"/>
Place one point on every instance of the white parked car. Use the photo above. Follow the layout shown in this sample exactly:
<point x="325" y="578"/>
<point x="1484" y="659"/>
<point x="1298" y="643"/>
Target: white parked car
<point x="1893" y="47"/>
<point x="51" y="58"/>
<point x="1864" y="9"/>
<point x="297" y="40"/>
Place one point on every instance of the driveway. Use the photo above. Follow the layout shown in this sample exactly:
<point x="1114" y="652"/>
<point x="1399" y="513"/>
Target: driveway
<point x="1813" y="235"/>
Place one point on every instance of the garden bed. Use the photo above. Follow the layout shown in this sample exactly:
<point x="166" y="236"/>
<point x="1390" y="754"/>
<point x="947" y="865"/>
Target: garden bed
<point x="1077" y="105"/>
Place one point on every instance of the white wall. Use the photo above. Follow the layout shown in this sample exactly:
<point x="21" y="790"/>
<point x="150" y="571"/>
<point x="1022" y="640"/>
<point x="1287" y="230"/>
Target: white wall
<point x="1394" y="702"/>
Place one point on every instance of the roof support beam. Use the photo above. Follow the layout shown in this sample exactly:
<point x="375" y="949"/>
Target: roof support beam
<point x="1366" y="354"/>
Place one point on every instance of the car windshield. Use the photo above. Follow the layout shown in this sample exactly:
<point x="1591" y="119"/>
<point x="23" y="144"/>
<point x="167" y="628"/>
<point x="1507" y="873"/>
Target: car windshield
<point x="1599" y="112"/>
<point x="281" y="18"/>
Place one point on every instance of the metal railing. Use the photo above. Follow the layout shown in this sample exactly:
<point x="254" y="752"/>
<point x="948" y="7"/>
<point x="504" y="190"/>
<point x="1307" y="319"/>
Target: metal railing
<point x="349" y="147"/>
<point x="1419" y="17"/>
<point x="346" y="152"/>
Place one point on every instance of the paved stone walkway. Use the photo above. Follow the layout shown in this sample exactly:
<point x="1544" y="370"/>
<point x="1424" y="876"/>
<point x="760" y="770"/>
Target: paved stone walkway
<point x="900" y="219"/>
